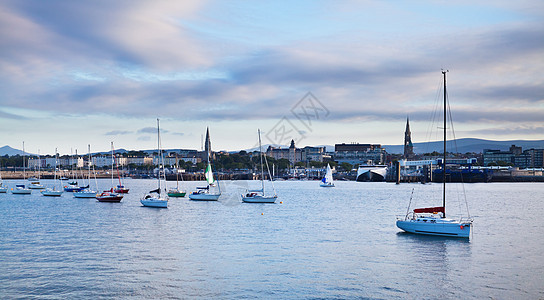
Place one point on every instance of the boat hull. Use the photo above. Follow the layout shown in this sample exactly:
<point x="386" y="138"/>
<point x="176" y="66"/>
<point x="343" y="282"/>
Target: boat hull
<point x="259" y="199"/>
<point x="179" y="194"/>
<point x="3" y="189"/>
<point x="21" y="191"/>
<point x="36" y="187"/>
<point x="109" y="197"/>
<point x="371" y="173"/>
<point x="85" y="194"/>
<point x="51" y="193"/>
<point x="326" y="185"/>
<point x="153" y="202"/>
<point x="450" y="229"/>
<point x="204" y="197"/>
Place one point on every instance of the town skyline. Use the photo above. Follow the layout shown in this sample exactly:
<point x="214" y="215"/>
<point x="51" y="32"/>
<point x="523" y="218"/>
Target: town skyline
<point x="79" y="73"/>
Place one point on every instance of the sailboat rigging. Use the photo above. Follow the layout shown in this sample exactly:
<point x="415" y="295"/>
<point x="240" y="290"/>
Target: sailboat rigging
<point x="154" y="198"/>
<point x="110" y="195"/>
<point x="53" y="192"/>
<point x="432" y="220"/>
<point x="259" y="195"/>
<point x="21" y="188"/>
<point x="87" y="192"/>
<point x="176" y="192"/>
<point x="206" y="193"/>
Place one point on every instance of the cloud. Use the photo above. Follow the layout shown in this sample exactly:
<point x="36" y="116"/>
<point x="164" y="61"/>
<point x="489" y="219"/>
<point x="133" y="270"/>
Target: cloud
<point x="138" y="59"/>
<point x="118" y="132"/>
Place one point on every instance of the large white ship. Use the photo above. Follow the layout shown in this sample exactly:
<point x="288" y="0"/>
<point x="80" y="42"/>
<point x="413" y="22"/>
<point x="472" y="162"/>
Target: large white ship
<point x="371" y="172"/>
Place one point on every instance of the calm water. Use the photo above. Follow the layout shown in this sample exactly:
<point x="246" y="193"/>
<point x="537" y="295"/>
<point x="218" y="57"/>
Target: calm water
<point x="319" y="243"/>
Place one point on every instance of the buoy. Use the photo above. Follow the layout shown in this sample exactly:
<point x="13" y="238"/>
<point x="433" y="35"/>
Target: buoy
<point x="262" y="214"/>
<point x="462" y="227"/>
<point x="281" y="202"/>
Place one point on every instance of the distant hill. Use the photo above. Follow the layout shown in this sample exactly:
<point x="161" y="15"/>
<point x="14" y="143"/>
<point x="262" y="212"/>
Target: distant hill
<point x="466" y="145"/>
<point x="7" y="150"/>
<point x="462" y="146"/>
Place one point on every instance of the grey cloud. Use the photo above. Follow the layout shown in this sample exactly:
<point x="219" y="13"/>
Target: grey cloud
<point x="118" y="132"/>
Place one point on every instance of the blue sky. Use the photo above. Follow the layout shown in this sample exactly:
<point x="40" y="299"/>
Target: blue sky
<point x="74" y="73"/>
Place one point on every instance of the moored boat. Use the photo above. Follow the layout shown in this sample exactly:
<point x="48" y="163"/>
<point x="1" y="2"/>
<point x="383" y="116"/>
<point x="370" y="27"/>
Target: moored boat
<point x="259" y="195"/>
<point x="370" y="172"/>
<point x="53" y="192"/>
<point x="432" y="220"/>
<point x="110" y="195"/>
<point x="154" y="198"/>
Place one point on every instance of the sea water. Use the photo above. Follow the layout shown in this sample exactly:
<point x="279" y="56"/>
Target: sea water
<point x="314" y="242"/>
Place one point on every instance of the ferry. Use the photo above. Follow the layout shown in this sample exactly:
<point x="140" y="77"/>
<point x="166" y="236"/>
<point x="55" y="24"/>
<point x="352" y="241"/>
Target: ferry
<point x="371" y="172"/>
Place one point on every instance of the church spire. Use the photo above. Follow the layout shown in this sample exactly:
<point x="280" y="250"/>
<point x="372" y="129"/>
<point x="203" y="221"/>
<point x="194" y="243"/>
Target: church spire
<point x="408" y="146"/>
<point x="208" y="145"/>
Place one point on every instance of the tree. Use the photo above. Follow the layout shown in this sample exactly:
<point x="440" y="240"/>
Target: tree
<point x="346" y="166"/>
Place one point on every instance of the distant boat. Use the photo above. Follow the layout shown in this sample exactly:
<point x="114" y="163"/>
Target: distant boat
<point x="176" y="192"/>
<point x="327" y="181"/>
<point x="205" y="193"/>
<point x="154" y="197"/>
<point x="110" y="195"/>
<point x="21" y="189"/>
<point x="72" y="185"/>
<point x="120" y="188"/>
<point x="87" y="192"/>
<point x="371" y="172"/>
<point x="35" y="182"/>
<point x="432" y="220"/>
<point x="53" y="192"/>
<point x="259" y="195"/>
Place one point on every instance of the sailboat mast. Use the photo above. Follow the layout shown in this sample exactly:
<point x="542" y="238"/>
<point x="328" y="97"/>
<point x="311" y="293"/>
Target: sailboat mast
<point x="112" y="162"/>
<point x="444" y="163"/>
<point x="24" y="174"/>
<point x="55" y="172"/>
<point x="89" y="163"/>
<point x="261" y="156"/>
<point x="160" y="154"/>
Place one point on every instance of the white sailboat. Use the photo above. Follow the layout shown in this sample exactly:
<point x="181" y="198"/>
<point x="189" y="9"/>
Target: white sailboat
<point x="176" y="192"/>
<point x="327" y="181"/>
<point x="35" y="182"/>
<point x="21" y="189"/>
<point x="432" y="220"/>
<point x="208" y="193"/>
<point x="205" y="193"/>
<point x="157" y="198"/>
<point x="53" y="192"/>
<point x="259" y="195"/>
<point x="87" y="192"/>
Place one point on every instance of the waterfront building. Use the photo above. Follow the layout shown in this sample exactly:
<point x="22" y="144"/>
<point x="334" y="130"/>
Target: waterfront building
<point x="294" y="154"/>
<point x="491" y="157"/>
<point x="531" y="158"/>
<point x="139" y="161"/>
<point x="313" y="154"/>
<point x="360" y="154"/>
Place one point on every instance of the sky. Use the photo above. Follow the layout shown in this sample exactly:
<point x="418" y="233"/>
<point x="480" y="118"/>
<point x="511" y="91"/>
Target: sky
<point x="74" y="73"/>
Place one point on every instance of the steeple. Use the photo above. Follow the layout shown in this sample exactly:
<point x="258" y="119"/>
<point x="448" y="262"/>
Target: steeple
<point x="208" y="145"/>
<point x="408" y="146"/>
